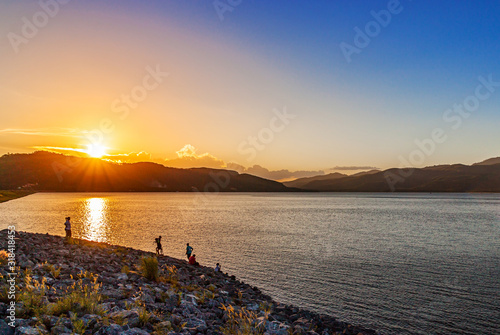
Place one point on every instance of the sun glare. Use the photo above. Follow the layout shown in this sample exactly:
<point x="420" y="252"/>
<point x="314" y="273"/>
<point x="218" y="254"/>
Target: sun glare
<point x="96" y="150"/>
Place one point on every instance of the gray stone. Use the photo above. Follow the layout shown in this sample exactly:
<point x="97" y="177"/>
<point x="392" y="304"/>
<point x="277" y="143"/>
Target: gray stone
<point x="122" y="277"/>
<point x="134" y="331"/>
<point x="5" y="328"/>
<point x="196" y="323"/>
<point x="60" y="329"/>
<point x="27" y="331"/>
<point x="124" y="314"/>
<point x="253" y="307"/>
<point x="276" y="328"/>
<point x="113" y="329"/>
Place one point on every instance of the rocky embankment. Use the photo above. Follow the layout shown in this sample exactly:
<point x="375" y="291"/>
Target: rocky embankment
<point x="94" y="288"/>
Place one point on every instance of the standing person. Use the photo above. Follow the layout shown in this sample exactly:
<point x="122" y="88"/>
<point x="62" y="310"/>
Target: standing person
<point x="189" y="250"/>
<point x="217" y="268"/>
<point x="158" y="245"/>
<point x="67" y="228"/>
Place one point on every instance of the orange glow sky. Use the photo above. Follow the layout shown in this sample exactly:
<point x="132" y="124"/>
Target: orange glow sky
<point x="223" y="85"/>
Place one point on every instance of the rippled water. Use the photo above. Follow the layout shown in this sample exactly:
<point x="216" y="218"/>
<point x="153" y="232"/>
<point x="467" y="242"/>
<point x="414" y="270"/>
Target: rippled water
<point x="398" y="263"/>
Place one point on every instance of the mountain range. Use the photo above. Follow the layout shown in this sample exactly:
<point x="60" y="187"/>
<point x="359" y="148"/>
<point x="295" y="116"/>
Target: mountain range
<point x="479" y="177"/>
<point x="46" y="171"/>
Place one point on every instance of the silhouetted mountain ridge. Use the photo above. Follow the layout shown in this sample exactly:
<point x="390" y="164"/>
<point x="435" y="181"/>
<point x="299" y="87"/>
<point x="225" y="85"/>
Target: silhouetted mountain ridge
<point x="440" y="178"/>
<point x="56" y="172"/>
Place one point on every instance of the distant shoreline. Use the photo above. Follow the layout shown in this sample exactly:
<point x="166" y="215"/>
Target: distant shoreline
<point x="6" y="195"/>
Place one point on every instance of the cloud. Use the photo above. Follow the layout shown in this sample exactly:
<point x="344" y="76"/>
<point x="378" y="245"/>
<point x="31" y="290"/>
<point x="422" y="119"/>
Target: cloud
<point x="61" y="150"/>
<point x="66" y="132"/>
<point x="187" y="158"/>
<point x="279" y="175"/>
<point x="354" y="168"/>
<point x="131" y="157"/>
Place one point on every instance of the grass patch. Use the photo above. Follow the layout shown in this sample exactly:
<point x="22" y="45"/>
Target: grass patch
<point x="241" y="322"/>
<point x="79" y="326"/>
<point x="81" y="298"/>
<point x="170" y="276"/>
<point x="149" y="268"/>
<point x="4" y="257"/>
<point x="33" y="296"/>
<point x="125" y="269"/>
<point x="55" y="272"/>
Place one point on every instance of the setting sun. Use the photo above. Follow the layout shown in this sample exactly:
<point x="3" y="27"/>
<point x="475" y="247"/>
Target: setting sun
<point x="95" y="150"/>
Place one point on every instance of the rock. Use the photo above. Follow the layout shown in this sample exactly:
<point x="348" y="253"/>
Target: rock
<point x="90" y="320"/>
<point x="176" y="305"/>
<point x="276" y="328"/>
<point x="5" y="328"/>
<point x="164" y="325"/>
<point x="124" y="314"/>
<point x="135" y="331"/>
<point x="196" y="323"/>
<point x="27" y="331"/>
<point x="60" y="329"/>
<point x="113" y="329"/>
<point x="122" y="277"/>
<point x="253" y="307"/>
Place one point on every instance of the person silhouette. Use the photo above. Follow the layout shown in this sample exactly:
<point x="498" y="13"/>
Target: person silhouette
<point x="159" y="248"/>
<point x="189" y="250"/>
<point x="192" y="260"/>
<point x="67" y="228"/>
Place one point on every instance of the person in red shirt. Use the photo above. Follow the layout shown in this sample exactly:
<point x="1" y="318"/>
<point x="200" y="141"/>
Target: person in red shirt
<point x="192" y="260"/>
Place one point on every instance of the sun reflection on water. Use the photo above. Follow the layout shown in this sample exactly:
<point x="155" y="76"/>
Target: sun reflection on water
<point x="95" y="222"/>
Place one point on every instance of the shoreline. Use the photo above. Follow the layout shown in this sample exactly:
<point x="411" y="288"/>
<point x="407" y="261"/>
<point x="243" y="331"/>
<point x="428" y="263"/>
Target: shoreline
<point x="7" y="195"/>
<point x="183" y="299"/>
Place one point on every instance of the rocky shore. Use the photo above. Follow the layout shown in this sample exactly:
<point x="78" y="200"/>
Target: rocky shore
<point x="86" y="287"/>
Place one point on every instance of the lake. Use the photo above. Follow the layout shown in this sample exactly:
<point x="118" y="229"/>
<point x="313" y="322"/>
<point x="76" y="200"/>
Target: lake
<point x="397" y="263"/>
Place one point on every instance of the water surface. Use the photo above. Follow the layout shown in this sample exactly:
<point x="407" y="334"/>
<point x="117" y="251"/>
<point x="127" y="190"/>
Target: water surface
<point x="398" y="263"/>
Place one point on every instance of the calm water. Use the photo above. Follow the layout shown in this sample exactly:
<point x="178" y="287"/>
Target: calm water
<point x="398" y="263"/>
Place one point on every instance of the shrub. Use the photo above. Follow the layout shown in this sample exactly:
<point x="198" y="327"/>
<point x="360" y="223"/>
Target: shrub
<point x="149" y="268"/>
<point x="4" y="257"/>
<point x="80" y="298"/>
<point x="79" y="325"/>
<point x="144" y="316"/>
<point x="55" y="272"/>
<point x="33" y="296"/>
<point x="241" y="322"/>
<point x="170" y="276"/>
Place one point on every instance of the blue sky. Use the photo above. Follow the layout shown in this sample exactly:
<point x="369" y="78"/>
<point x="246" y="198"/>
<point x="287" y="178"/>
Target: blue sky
<point x="227" y="76"/>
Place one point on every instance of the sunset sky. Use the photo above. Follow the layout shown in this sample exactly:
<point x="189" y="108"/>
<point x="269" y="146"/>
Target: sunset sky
<point x="308" y="87"/>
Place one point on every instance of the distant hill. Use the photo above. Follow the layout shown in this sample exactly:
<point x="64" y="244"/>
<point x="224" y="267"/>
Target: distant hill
<point x="365" y="173"/>
<point x="299" y="183"/>
<point x="443" y="178"/>
<point x="491" y="161"/>
<point x="56" y="172"/>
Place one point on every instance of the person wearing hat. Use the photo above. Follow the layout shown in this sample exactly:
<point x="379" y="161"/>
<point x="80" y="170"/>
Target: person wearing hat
<point x="68" y="228"/>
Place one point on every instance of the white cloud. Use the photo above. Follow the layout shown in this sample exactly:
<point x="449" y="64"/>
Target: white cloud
<point x="187" y="157"/>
